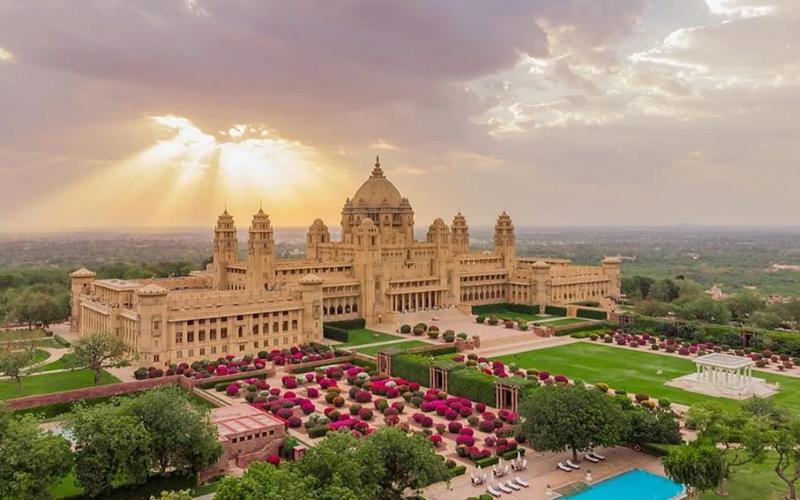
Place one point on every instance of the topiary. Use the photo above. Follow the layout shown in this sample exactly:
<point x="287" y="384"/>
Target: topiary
<point x="405" y="329"/>
<point x="480" y="319"/>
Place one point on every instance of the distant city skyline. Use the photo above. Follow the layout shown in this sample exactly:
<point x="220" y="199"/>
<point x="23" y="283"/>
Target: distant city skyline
<point x="624" y="113"/>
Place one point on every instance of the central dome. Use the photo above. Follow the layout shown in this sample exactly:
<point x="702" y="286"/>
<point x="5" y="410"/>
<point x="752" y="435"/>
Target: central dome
<point x="377" y="190"/>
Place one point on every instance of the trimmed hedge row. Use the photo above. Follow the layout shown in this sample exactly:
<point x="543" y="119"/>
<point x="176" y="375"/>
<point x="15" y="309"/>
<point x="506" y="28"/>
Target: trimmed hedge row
<point x="472" y="384"/>
<point x="591" y="314"/>
<point x="62" y="341"/>
<point x="412" y="367"/>
<point x="569" y="330"/>
<point x="555" y="310"/>
<point x="496" y="308"/>
<point x="335" y="333"/>
<point x="349" y="324"/>
<point x="457" y="471"/>
<point x="488" y="461"/>
<point x="510" y="455"/>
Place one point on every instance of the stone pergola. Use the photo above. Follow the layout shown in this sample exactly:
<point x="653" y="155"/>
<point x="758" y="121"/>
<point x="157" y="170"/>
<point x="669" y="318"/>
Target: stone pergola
<point x="725" y="369"/>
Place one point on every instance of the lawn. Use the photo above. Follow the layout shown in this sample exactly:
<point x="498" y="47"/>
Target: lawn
<point x="59" y="364"/>
<point x="754" y="482"/>
<point x="50" y="383"/>
<point x="39" y="356"/>
<point x="636" y="371"/>
<point x="370" y="351"/>
<point x="364" y="336"/>
<point x="566" y="321"/>
<point x="515" y="315"/>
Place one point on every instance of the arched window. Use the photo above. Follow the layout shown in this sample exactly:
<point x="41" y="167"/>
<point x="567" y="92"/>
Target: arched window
<point x="355" y="308"/>
<point x="339" y="310"/>
<point x="347" y="309"/>
<point x="324" y="310"/>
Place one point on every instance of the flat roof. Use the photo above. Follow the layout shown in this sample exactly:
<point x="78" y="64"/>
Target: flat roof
<point x="119" y="284"/>
<point x="241" y="418"/>
<point x="720" y="360"/>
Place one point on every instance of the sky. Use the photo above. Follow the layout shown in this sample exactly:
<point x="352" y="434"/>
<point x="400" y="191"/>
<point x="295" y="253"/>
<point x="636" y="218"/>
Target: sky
<point x="134" y="113"/>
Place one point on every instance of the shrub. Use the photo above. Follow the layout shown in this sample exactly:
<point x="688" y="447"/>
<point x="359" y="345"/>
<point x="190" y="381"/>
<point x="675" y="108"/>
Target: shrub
<point x="319" y="431"/>
<point x="405" y="329"/>
<point x="449" y="338"/>
<point x="654" y="347"/>
<point x="486" y="426"/>
<point x="433" y="334"/>
<point x="473" y="420"/>
<point x="602" y="387"/>
<point x="641" y="397"/>
<point x="338" y="401"/>
<point x="365" y="414"/>
<point x="634" y="344"/>
<point x="232" y="390"/>
<point x="593" y="337"/>
<point x="480" y="319"/>
<point x="417" y="331"/>
<point x="295" y="422"/>
<point x="761" y="363"/>
<point x="462" y="335"/>
<point x="493" y="320"/>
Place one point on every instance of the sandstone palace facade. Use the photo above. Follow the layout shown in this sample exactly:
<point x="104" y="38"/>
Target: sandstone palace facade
<point x="376" y="272"/>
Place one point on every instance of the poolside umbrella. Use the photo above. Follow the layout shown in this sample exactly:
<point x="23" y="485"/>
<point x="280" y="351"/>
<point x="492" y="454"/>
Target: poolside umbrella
<point x="519" y="455"/>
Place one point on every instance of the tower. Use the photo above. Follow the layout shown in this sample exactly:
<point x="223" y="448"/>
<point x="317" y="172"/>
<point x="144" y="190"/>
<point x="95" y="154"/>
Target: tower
<point x="504" y="240"/>
<point x="226" y="248"/>
<point x="318" y="234"/>
<point x="82" y="280"/>
<point x="460" y="231"/>
<point x="611" y="267"/>
<point x="260" y="252"/>
<point x="151" y="305"/>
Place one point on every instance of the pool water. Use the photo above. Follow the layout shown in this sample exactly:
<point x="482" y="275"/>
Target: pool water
<point x="634" y="485"/>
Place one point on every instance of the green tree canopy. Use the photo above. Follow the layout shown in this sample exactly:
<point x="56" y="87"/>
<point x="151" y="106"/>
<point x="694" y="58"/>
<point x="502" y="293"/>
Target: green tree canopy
<point x="182" y="437"/>
<point x="98" y="352"/>
<point x="648" y="426"/>
<point x="558" y="418"/>
<point x="703" y="308"/>
<point x="664" y="290"/>
<point x="744" y="303"/>
<point x="696" y="465"/>
<point x="17" y="355"/>
<point x="174" y="495"/>
<point x="112" y="448"/>
<point x="31" y="460"/>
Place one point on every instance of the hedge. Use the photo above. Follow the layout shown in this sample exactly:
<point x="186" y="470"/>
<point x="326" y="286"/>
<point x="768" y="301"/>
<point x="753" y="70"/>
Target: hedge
<point x="457" y="471"/>
<point x="591" y="314"/>
<point x="412" y="367"/>
<point x="212" y="382"/>
<point x="486" y="462"/>
<point x="510" y="455"/>
<point x="350" y="324"/>
<point x="568" y="330"/>
<point x="319" y="431"/>
<point x="555" y="310"/>
<point x="657" y="450"/>
<point x="447" y="349"/>
<point x="496" y="308"/>
<point x="335" y="333"/>
<point x="369" y="365"/>
<point x="474" y="385"/>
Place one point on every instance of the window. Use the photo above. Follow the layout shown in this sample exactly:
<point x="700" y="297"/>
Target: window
<point x="255" y="344"/>
<point x="156" y="358"/>
<point x="285" y="313"/>
<point x="201" y="336"/>
<point x="255" y="316"/>
<point x="271" y="433"/>
<point x="240" y="331"/>
<point x="189" y="336"/>
<point x="202" y="351"/>
<point x="294" y="324"/>
<point x="223" y="333"/>
<point x="265" y="328"/>
<point x="213" y="349"/>
<point x="224" y="320"/>
<point x="255" y="329"/>
<point x="191" y="353"/>
<point x="275" y="327"/>
<point x="265" y="343"/>
<point x="179" y="337"/>
<point x="179" y="354"/>
<point x="202" y="322"/>
<point x="190" y="322"/>
<point x="285" y="340"/>
<point x="241" y="347"/>
<point x="274" y="342"/>
<point x="212" y="320"/>
<point x="239" y="318"/>
<point x="285" y="326"/>
<point x="212" y="334"/>
<point x="156" y="325"/>
<point x="294" y="339"/>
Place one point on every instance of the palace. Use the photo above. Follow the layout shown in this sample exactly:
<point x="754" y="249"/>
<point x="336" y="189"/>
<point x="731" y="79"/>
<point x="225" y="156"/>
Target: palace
<point x="376" y="272"/>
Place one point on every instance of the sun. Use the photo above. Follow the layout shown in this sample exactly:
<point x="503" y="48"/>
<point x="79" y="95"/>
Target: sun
<point x="185" y="178"/>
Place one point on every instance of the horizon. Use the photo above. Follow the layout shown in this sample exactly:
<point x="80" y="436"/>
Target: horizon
<point x="629" y="113"/>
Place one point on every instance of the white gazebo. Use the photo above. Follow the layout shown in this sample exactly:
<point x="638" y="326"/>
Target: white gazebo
<point x="725" y="375"/>
<point x="724" y="369"/>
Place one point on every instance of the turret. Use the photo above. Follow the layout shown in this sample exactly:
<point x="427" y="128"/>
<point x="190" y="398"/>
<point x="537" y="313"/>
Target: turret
<point x="260" y="252"/>
<point x="460" y="231"/>
<point x="504" y="239"/>
<point x="151" y="305"/>
<point x="226" y="248"/>
<point x="439" y="234"/>
<point x="611" y="266"/>
<point x="311" y="292"/>
<point x="82" y="280"/>
<point x="318" y="234"/>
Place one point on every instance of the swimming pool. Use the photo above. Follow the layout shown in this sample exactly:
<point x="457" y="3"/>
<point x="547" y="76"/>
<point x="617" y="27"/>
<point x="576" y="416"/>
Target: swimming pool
<point x="637" y="484"/>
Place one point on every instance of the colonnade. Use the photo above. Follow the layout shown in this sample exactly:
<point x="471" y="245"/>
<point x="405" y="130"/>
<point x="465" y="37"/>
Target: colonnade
<point x="417" y="300"/>
<point x="737" y="377"/>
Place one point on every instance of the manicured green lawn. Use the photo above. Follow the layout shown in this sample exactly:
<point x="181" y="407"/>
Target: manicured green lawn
<point x="59" y="364"/>
<point x="364" y="336"/>
<point x="636" y="371"/>
<point x="754" y="482"/>
<point x="370" y="351"/>
<point x="50" y="383"/>
<point x="515" y="315"/>
<point x="39" y="356"/>
<point x="566" y="321"/>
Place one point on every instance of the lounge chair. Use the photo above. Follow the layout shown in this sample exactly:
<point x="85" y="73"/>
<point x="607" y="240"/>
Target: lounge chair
<point x="524" y="464"/>
<point x="522" y="482"/>
<point x="592" y="459"/>
<point x="573" y="465"/>
<point x="514" y="486"/>
<point x="505" y="489"/>
<point x="564" y="467"/>
<point x="476" y="480"/>
<point x="597" y="456"/>
<point x="493" y="492"/>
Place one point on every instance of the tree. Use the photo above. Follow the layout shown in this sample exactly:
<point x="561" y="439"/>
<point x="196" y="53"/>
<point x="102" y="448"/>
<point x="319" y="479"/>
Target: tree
<point x="647" y="426"/>
<point x="765" y="320"/>
<point x="182" y="437"/>
<point x="664" y="290"/>
<point x="336" y="462"/>
<point x="744" y="303"/>
<point x="174" y="495"/>
<point x="629" y="286"/>
<point x="31" y="460"/>
<point x="689" y="289"/>
<point x="704" y="308"/>
<point x="99" y="352"/>
<point x="264" y="481"/>
<point x="696" y="465"/>
<point x="740" y="437"/>
<point x="776" y="415"/>
<point x="111" y="448"/>
<point x="652" y="308"/>
<point x="558" y="418"/>
<point x="786" y="443"/>
<point x="644" y="285"/>
<point x="17" y="356"/>
<point x="394" y="462"/>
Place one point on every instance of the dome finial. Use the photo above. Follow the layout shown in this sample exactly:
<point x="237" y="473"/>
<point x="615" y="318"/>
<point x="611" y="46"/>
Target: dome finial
<point x="377" y="171"/>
